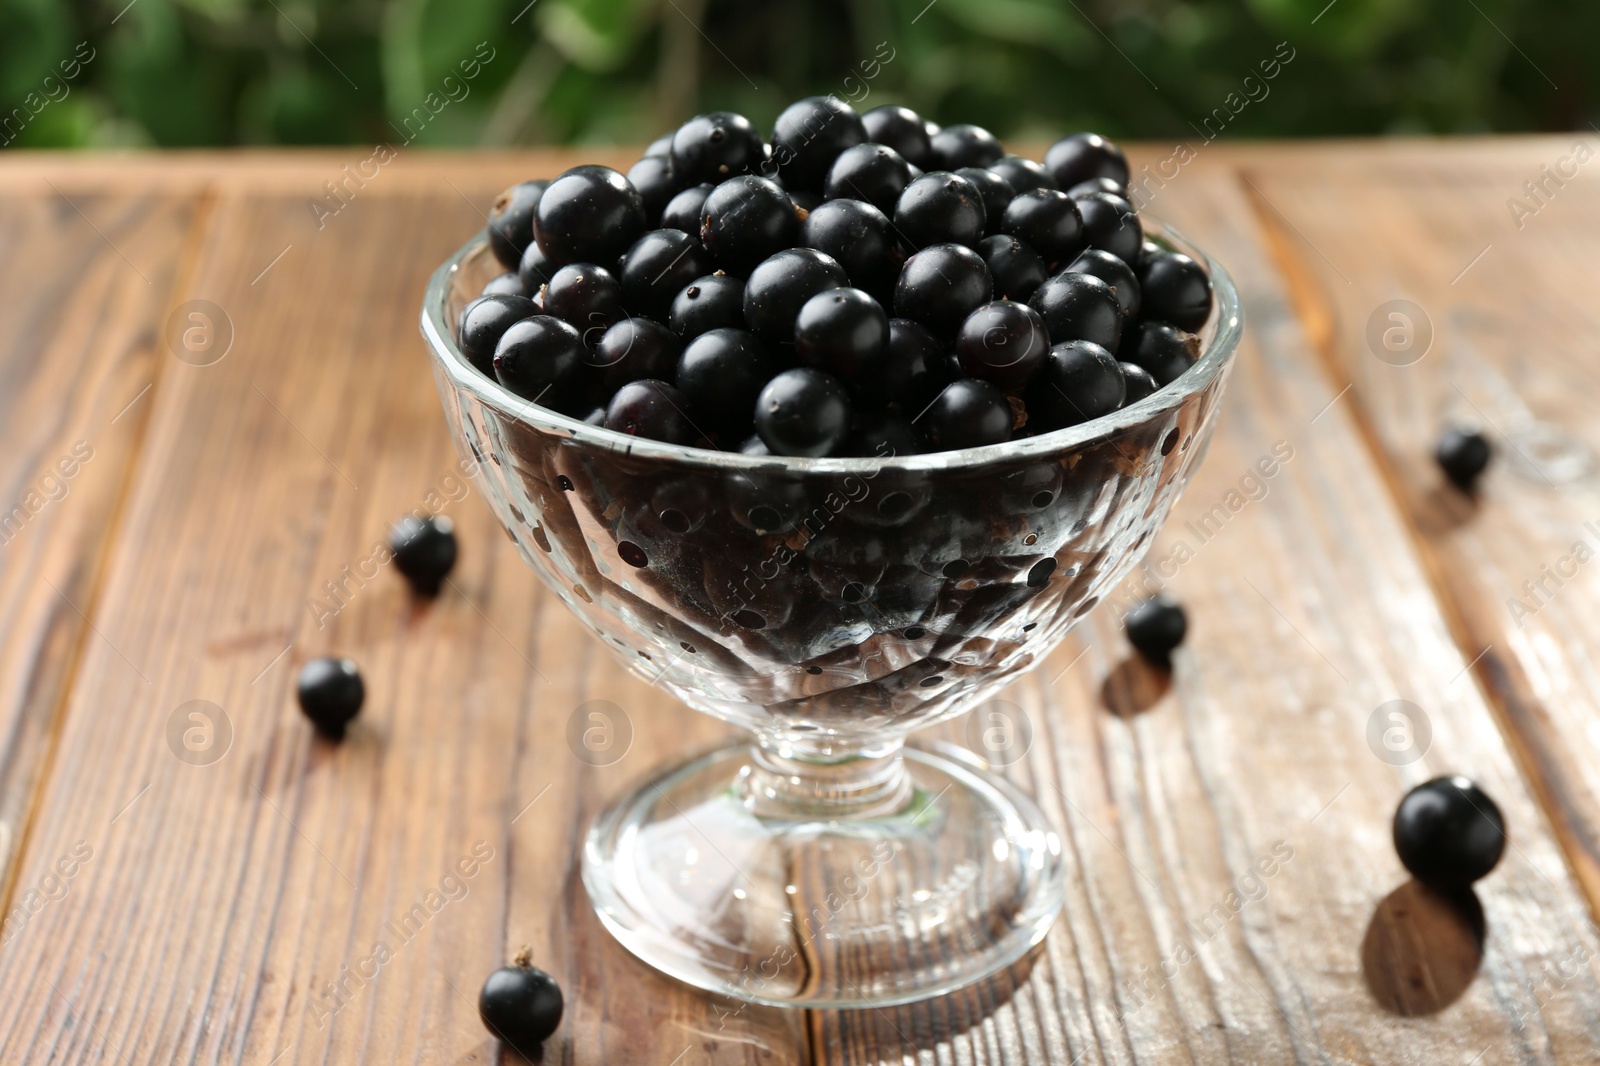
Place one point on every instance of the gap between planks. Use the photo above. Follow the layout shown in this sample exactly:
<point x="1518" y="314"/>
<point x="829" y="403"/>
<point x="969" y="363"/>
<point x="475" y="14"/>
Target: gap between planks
<point x="1316" y="314"/>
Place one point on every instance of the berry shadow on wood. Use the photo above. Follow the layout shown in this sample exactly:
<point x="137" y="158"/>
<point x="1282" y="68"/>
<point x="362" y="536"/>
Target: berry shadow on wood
<point x="1422" y="948"/>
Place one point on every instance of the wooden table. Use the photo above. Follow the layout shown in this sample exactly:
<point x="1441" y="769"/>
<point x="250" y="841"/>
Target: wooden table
<point x="206" y="883"/>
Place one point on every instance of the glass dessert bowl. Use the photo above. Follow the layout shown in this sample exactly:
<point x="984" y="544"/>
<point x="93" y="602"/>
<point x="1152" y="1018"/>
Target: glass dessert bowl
<point x="830" y="607"/>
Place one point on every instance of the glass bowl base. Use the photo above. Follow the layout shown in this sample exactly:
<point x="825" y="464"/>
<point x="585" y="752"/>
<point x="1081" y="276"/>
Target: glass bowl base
<point x="956" y="882"/>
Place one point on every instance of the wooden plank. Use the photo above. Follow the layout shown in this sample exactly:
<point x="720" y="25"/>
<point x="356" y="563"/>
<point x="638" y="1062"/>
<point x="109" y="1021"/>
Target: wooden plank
<point x="1502" y="280"/>
<point x="231" y="908"/>
<point x="88" y="279"/>
<point x="1309" y="611"/>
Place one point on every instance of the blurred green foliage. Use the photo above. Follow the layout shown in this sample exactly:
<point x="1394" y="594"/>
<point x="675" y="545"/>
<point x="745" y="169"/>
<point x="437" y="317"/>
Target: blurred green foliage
<point x="232" y="72"/>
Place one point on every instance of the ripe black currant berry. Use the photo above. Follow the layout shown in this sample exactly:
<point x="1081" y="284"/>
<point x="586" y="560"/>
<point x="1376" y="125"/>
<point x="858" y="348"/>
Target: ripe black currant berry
<point x="1114" y="272"/>
<point x="586" y="297"/>
<point x="1462" y="454"/>
<point x="1022" y="174"/>
<point x="1083" y="157"/>
<point x="653" y="409"/>
<point x="1174" y="288"/>
<point x="485" y="321"/>
<point x="871" y="172"/>
<point x="1109" y="222"/>
<point x="883" y="435"/>
<point x="995" y="192"/>
<point x="591" y="214"/>
<point x="542" y="359"/>
<point x="1156" y="627"/>
<point x="722" y="372"/>
<point x="940" y="286"/>
<point x="1079" y="381"/>
<point x="914" y="369"/>
<point x="1046" y="221"/>
<point x="707" y="303"/>
<point x="1449" y="833"/>
<point x="507" y="284"/>
<point x="683" y="211"/>
<point x="965" y="146"/>
<point x="967" y="414"/>
<point x="1016" y="269"/>
<point x="424" y="551"/>
<point x="653" y="179"/>
<point x="511" y="221"/>
<point x="781" y="285"/>
<point x="535" y="270"/>
<point x="657" y="268"/>
<point x="901" y="129"/>
<point x="1139" y="383"/>
<point x="330" y="693"/>
<point x="662" y="145"/>
<point x="1079" y="307"/>
<point x="809" y="136"/>
<point x="1165" y="351"/>
<point x="522" y="1006"/>
<point x="843" y="332"/>
<point x="803" y="412"/>
<point x="1003" y="343"/>
<point x="860" y="238"/>
<point x="1110" y="185"/>
<point x="745" y="220"/>
<point x="635" y="348"/>
<point x="716" y="147"/>
<point x="804" y="201"/>
<point x="939" y="208"/>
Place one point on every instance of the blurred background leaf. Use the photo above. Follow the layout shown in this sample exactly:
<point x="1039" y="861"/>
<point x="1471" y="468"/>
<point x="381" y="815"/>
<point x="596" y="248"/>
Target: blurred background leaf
<point x="236" y="72"/>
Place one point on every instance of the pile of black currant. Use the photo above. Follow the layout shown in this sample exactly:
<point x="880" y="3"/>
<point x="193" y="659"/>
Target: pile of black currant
<point x="863" y="285"/>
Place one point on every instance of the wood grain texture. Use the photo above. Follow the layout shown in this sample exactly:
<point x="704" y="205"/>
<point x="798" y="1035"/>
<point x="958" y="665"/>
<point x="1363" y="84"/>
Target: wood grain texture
<point x="230" y="909"/>
<point x="87" y="279"/>
<point x="1504" y="283"/>
<point x="1308" y="611"/>
<point x="234" y="910"/>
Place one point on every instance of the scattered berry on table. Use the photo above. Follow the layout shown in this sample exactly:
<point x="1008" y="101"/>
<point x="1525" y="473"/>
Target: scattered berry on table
<point x="1156" y="627"/>
<point x="1462" y="454"/>
<point x="424" y="551"/>
<point x="521" y="1005"/>
<point x="330" y="693"/>
<point x="852" y="285"/>
<point x="1449" y="833"/>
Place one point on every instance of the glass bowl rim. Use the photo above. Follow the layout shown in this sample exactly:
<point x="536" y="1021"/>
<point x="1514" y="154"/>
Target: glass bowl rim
<point x="440" y="336"/>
